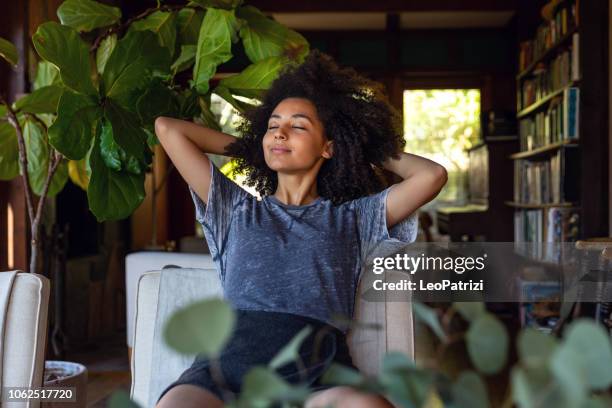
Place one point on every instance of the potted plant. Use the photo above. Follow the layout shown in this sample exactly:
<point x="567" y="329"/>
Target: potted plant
<point x="102" y="81"/>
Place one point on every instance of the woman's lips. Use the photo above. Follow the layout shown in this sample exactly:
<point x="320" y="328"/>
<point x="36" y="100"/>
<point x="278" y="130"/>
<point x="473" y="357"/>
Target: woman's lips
<point x="280" y="150"/>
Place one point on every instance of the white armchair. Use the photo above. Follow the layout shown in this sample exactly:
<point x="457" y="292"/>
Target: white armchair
<point x="154" y="366"/>
<point x="24" y="304"/>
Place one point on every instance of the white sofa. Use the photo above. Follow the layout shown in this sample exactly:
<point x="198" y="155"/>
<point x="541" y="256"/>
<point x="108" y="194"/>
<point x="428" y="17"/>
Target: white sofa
<point x="137" y="263"/>
<point x="24" y="304"/>
<point x="150" y="375"/>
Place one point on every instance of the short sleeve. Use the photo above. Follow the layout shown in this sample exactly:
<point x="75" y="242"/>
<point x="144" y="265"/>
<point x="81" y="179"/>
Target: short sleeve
<point x="216" y="215"/>
<point x="375" y="238"/>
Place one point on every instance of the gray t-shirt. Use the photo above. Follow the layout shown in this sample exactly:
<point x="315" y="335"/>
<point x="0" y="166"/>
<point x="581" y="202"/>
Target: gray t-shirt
<point x="305" y="260"/>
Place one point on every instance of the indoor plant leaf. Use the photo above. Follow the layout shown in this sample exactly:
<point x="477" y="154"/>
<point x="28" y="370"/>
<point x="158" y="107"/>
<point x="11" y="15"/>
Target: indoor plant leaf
<point x="535" y="347"/>
<point x="163" y="24"/>
<point x="112" y="195"/>
<point x="131" y="65"/>
<point x="185" y="58"/>
<point x="217" y="33"/>
<point x="77" y="172"/>
<point x="104" y="51"/>
<point x="290" y="352"/>
<point x="569" y="369"/>
<point x="37" y="151"/>
<point x="156" y="100"/>
<point x="487" y="343"/>
<point x="470" y="391"/>
<point x="126" y="131"/>
<point x="42" y="100"/>
<point x="429" y="316"/>
<point x="255" y="79"/>
<point x="222" y="4"/>
<point x="8" y="51"/>
<point x="62" y="46"/>
<point x="9" y="152"/>
<point x="469" y="310"/>
<point x="202" y="327"/>
<point x="188" y="22"/>
<point x="85" y="15"/>
<point x="263" y="37"/>
<point x="46" y="74"/>
<point x="72" y="131"/>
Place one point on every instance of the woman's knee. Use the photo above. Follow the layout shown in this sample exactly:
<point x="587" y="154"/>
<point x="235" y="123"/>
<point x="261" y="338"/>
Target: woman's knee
<point x="346" y="397"/>
<point x="189" y="396"/>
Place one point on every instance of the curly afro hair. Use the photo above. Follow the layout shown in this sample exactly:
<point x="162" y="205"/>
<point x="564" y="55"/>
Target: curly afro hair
<point x="356" y="114"/>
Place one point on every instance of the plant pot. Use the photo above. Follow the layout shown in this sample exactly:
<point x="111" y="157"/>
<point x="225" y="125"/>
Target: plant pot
<point x="60" y="374"/>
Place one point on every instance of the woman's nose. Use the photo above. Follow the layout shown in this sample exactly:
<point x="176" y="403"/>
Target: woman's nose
<point x="280" y="135"/>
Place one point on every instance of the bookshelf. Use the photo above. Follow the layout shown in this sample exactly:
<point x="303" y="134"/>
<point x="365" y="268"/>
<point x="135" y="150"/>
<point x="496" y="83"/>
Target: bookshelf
<point x="561" y="115"/>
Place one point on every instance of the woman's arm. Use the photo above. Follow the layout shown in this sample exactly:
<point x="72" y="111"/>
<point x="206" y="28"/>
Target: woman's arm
<point x="185" y="143"/>
<point x="422" y="181"/>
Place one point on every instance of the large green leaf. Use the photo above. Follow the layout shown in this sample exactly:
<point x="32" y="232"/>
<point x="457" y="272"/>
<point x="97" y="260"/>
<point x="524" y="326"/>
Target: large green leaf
<point x="127" y="132"/>
<point x="222" y="4"/>
<point x="163" y="24"/>
<point x="591" y="343"/>
<point x="226" y="94"/>
<point x="114" y="156"/>
<point x="202" y="327"/>
<point x="85" y="15"/>
<point x="9" y="152"/>
<point x="9" y="52"/>
<point x="255" y="79"/>
<point x="156" y="100"/>
<point x="77" y="171"/>
<point x="42" y="100"/>
<point x="217" y="33"/>
<point x="263" y="37"/>
<point x="185" y="58"/>
<point x="188" y="23"/>
<point x="131" y="65"/>
<point x="46" y="74"/>
<point x="104" y="51"/>
<point x="487" y="343"/>
<point x="208" y="118"/>
<point x="112" y="195"/>
<point x="62" y="46"/>
<point x="37" y="148"/>
<point x="72" y="132"/>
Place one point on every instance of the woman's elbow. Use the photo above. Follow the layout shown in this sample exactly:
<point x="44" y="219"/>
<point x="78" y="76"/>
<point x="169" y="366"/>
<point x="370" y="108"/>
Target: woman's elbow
<point x="441" y="176"/>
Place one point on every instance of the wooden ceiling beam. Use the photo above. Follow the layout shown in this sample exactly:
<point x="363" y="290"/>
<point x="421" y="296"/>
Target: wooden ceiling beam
<point x="283" y="6"/>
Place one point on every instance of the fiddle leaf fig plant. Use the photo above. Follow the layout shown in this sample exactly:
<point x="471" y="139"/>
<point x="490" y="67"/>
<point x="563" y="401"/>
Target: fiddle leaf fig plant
<point x="102" y="80"/>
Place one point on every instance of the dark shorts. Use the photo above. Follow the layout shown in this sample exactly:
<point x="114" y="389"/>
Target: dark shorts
<point x="258" y="336"/>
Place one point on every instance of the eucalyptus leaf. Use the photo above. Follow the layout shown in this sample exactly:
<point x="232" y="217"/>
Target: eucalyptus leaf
<point x="62" y="46"/>
<point x="487" y="343"/>
<point x="408" y="387"/>
<point x="126" y="131"/>
<point x="121" y="399"/>
<point x="85" y="15"/>
<point x="290" y="352"/>
<point x="72" y="131"/>
<point x="570" y="372"/>
<point x="8" y="51"/>
<point x="188" y="22"/>
<point x="163" y="24"/>
<point x="535" y="347"/>
<point x="394" y="360"/>
<point x="112" y="195"/>
<point x="46" y="74"/>
<point x="77" y="171"/>
<point x="589" y="341"/>
<point x="217" y="33"/>
<point x="42" y="100"/>
<point x="131" y="65"/>
<point x="255" y="79"/>
<point x="470" y="310"/>
<point x="470" y="391"/>
<point x="104" y="51"/>
<point x="262" y="386"/>
<point x="37" y="151"/>
<point x="9" y="152"/>
<point x="429" y="317"/>
<point x="263" y="37"/>
<point x="202" y="327"/>
<point x="338" y="374"/>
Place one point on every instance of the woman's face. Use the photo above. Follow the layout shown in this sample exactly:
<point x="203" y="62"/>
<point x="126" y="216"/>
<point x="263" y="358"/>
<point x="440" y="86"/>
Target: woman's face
<point x="295" y="139"/>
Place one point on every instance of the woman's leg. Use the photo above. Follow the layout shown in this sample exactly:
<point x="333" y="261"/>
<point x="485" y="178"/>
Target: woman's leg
<point x="346" y="397"/>
<point x="189" y="396"/>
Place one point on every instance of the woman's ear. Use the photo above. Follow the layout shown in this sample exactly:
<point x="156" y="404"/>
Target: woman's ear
<point x="328" y="152"/>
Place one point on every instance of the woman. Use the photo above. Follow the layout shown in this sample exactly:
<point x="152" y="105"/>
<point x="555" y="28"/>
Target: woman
<point x="313" y="150"/>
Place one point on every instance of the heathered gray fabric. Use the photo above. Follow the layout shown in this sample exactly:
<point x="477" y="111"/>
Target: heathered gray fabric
<point x="306" y="259"/>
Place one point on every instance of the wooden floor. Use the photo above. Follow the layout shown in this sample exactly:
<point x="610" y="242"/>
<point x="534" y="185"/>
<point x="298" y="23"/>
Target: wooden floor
<point x="108" y="369"/>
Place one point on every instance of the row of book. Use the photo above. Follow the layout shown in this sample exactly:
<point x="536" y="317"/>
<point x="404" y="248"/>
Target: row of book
<point x="548" y="34"/>
<point x="557" y="123"/>
<point x="547" y="181"/>
<point x="562" y="71"/>
<point x="545" y="229"/>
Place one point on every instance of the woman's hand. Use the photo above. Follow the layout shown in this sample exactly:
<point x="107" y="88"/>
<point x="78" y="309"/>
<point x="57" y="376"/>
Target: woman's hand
<point x="422" y="181"/>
